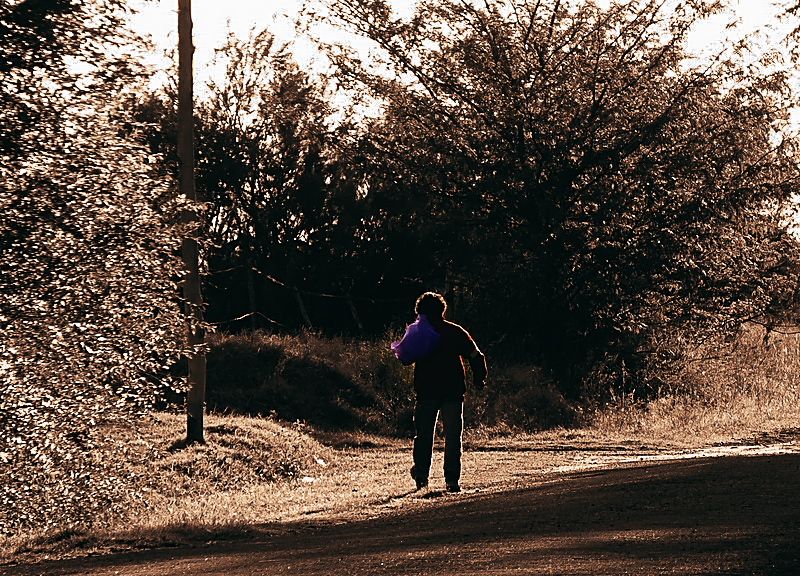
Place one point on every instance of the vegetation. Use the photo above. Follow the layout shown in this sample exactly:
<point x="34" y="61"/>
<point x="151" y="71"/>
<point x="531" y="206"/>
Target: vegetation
<point x="727" y="389"/>
<point x="284" y="218"/>
<point x="88" y="314"/>
<point x="357" y="385"/>
<point x="610" y="220"/>
<point x="620" y="196"/>
<point x="587" y="197"/>
<point x="724" y="389"/>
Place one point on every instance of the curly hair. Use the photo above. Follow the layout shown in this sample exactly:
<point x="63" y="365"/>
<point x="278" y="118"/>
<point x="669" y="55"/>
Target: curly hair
<point x="431" y="304"/>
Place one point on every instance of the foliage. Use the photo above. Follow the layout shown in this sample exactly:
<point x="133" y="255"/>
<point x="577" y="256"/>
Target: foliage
<point x="284" y="217"/>
<point x="586" y="189"/>
<point x="341" y="384"/>
<point x="88" y="311"/>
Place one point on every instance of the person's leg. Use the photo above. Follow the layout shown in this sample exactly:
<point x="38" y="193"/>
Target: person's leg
<point x="453" y="421"/>
<point x="425" y="412"/>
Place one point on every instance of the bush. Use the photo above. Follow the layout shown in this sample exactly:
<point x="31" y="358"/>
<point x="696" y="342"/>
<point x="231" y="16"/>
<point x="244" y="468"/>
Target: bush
<point x="243" y="362"/>
<point x="331" y="383"/>
<point x="338" y="383"/>
<point x="320" y="394"/>
<point x="521" y="397"/>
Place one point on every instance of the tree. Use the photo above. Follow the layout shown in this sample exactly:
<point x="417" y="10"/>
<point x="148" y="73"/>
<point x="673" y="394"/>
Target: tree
<point x="88" y="319"/>
<point x="618" y="195"/>
<point x="284" y="216"/>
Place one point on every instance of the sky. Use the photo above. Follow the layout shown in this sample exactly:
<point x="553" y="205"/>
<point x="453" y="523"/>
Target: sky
<point x="213" y="18"/>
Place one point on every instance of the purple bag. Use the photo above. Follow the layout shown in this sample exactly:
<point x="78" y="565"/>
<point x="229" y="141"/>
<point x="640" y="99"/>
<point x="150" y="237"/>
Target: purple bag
<point x="420" y="339"/>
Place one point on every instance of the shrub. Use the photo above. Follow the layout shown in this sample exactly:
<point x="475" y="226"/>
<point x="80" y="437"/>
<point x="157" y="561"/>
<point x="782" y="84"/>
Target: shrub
<point x="339" y="383"/>
<point x="521" y="397"/>
<point x="243" y="362"/>
<point x="333" y="383"/>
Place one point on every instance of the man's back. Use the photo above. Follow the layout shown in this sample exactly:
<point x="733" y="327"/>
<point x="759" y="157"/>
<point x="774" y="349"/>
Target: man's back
<point x="441" y="374"/>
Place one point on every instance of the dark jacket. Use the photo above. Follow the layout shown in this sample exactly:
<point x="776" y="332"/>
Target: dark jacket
<point x="441" y="374"/>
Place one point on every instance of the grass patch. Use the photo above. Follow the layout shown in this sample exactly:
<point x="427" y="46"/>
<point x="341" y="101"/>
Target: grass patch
<point x="725" y="390"/>
<point x="171" y="492"/>
<point x="255" y="474"/>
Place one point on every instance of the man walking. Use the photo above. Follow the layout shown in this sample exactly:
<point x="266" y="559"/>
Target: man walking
<point x="439" y="384"/>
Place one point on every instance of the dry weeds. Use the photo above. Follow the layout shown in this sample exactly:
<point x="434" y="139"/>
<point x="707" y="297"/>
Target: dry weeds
<point x="256" y="474"/>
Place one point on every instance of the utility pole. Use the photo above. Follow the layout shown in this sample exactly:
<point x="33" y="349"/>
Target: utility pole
<point x="193" y="301"/>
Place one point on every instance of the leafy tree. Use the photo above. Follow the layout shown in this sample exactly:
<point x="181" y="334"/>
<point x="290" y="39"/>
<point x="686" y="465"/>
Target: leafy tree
<point x="283" y="210"/>
<point x="265" y="180"/>
<point x="88" y="313"/>
<point x="596" y="193"/>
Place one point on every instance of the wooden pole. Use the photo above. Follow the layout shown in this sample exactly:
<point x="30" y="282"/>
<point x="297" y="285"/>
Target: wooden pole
<point x="303" y="312"/>
<point x="196" y="395"/>
<point x="251" y="293"/>
<point x="354" y="313"/>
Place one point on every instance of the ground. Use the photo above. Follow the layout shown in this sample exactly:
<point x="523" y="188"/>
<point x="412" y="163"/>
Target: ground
<point x="537" y="508"/>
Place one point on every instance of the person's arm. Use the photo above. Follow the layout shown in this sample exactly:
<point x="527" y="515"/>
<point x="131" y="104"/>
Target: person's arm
<point x="477" y="363"/>
<point x="476" y="359"/>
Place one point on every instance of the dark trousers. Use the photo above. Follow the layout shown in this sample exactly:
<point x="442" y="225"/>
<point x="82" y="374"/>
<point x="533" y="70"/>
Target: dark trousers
<point x="425" y="413"/>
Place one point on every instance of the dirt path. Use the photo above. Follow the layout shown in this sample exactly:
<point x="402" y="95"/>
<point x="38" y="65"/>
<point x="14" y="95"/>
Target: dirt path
<point x="690" y="513"/>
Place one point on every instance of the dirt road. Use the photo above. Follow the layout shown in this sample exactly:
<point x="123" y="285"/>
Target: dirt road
<point x="722" y="515"/>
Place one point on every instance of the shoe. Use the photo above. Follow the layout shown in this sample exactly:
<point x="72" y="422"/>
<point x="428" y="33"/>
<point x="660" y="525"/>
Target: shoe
<point x="453" y="488"/>
<point x="420" y="482"/>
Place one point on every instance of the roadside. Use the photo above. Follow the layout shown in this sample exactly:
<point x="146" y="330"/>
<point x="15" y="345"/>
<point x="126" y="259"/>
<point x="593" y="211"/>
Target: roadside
<point x="696" y="515"/>
<point x="369" y="483"/>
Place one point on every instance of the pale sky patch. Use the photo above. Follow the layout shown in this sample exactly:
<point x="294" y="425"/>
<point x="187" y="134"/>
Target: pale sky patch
<point x="213" y="19"/>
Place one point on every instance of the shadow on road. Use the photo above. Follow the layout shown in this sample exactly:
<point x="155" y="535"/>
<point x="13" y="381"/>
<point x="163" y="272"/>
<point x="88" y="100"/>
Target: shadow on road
<point x="735" y="515"/>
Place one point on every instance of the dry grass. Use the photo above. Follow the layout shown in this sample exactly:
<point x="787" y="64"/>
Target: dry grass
<point x="255" y="474"/>
<point x="241" y="475"/>
<point x="728" y="391"/>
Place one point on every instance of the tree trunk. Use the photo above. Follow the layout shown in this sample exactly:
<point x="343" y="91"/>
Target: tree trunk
<point x="196" y="396"/>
